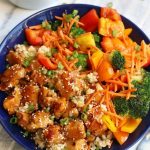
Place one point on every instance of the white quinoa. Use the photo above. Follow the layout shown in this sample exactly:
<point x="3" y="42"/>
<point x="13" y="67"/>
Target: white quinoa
<point x="92" y="77"/>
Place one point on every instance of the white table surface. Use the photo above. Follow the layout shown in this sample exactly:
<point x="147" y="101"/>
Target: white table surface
<point x="136" y="10"/>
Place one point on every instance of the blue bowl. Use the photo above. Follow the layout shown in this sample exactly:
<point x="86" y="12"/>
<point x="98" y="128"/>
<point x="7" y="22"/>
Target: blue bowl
<point x="16" y="36"/>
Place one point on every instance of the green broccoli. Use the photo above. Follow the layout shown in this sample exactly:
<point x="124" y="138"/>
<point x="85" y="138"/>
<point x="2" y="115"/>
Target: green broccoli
<point x="139" y="106"/>
<point x="117" y="60"/>
<point x="142" y="86"/>
<point x="68" y="17"/>
<point x="121" y="105"/>
<point x="76" y="31"/>
<point x="97" y="39"/>
<point x="82" y="59"/>
<point x="55" y="24"/>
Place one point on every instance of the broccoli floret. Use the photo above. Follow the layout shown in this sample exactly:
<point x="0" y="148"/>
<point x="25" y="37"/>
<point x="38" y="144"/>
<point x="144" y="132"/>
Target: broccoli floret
<point x="143" y="86"/>
<point x="121" y="105"/>
<point x="82" y="59"/>
<point x="97" y="39"/>
<point x="117" y="60"/>
<point x="76" y="31"/>
<point x="55" y="24"/>
<point x="68" y="17"/>
<point x="139" y="106"/>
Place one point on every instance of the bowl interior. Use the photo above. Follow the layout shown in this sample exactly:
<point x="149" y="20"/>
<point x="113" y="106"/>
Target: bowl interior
<point x="17" y="36"/>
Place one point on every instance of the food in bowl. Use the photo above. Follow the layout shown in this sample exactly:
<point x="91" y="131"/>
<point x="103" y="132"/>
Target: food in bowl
<point x="78" y="83"/>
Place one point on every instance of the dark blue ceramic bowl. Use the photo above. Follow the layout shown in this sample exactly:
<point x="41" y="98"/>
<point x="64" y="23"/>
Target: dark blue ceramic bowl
<point x="17" y="36"/>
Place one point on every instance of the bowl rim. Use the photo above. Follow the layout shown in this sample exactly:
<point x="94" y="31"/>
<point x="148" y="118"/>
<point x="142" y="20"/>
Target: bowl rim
<point x="42" y="11"/>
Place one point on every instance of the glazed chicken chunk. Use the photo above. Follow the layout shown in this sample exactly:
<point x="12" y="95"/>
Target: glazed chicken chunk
<point x="75" y="130"/>
<point x="11" y="77"/>
<point x="12" y="103"/>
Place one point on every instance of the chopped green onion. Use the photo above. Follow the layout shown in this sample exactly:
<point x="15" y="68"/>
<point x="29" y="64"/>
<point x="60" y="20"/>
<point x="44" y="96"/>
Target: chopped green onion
<point x="68" y="17"/>
<point x="49" y="54"/>
<point x="86" y="109"/>
<point x="60" y="66"/>
<point x="26" y="63"/>
<point x="30" y="107"/>
<point x="52" y="117"/>
<point x="25" y="43"/>
<point x="46" y="25"/>
<point x="25" y="134"/>
<point x="44" y="71"/>
<point x="137" y="48"/>
<point x="97" y="148"/>
<point x="75" y="12"/>
<point x="110" y="4"/>
<point x="84" y="117"/>
<point x="68" y="57"/>
<point x="13" y="120"/>
<point x="76" y="45"/>
<point x="96" y="38"/>
<point x="47" y="109"/>
<point x="64" y="121"/>
<point x="50" y="73"/>
<point x="88" y="133"/>
<point x="53" y="51"/>
<point x="7" y="66"/>
<point x="65" y="148"/>
<point x="75" y="54"/>
<point x="43" y="24"/>
<point x="114" y="33"/>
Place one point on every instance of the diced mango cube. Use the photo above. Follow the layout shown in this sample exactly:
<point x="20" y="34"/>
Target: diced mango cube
<point x="86" y="41"/>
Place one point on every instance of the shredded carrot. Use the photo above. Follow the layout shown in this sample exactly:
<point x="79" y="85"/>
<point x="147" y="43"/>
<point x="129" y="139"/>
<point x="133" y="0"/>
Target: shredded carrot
<point x="120" y="94"/>
<point x="69" y="39"/>
<point x="80" y="23"/>
<point x="117" y="82"/>
<point x="132" y="61"/>
<point x="107" y="98"/>
<point x="36" y="27"/>
<point x="73" y="63"/>
<point x="61" y="34"/>
<point x="102" y="99"/>
<point x="67" y="51"/>
<point x="59" y="47"/>
<point x="115" y="87"/>
<point x="143" y="47"/>
<point x="73" y="20"/>
<point x="113" y="114"/>
<point x="129" y="90"/>
<point x="60" y="57"/>
<point x="128" y="79"/>
<point x="59" y="18"/>
<point x="128" y="95"/>
<point x="116" y="75"/>
<point x="91" y="99"/>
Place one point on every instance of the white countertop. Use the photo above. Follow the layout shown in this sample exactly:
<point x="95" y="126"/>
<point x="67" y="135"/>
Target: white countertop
<point x="136" y="10"/>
